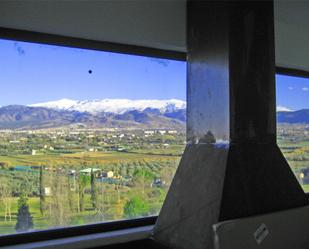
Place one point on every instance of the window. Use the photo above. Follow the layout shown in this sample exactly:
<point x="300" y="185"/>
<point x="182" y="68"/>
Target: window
<point x="86" y="136"/>
<point x="293" y="124"/>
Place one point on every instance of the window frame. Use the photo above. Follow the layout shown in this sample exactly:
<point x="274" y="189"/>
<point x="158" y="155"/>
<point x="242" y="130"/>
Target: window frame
<point x="73" y="231"/>
<point x="73" y="42"/>
<point x="292" y="72"/>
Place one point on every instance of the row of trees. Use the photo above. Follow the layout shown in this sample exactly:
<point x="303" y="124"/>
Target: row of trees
<point x="81" y="199"/>
<point x="24" y="218"/>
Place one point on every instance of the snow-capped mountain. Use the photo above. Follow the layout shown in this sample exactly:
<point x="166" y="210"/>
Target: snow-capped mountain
<point x="112" y="113"/>
<point x="117" y="106"/>
<point x="283" y="109"/>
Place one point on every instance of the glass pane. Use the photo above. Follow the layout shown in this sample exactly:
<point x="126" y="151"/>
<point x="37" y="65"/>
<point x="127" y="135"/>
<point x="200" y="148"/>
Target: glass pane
<point x="86" y="136"/>
<point x="293" y="124"/>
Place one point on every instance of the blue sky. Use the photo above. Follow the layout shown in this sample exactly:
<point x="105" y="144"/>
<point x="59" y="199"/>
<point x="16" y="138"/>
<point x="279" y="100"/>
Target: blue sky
<point x="292" y="92"/>
<point x="32" y="73"/>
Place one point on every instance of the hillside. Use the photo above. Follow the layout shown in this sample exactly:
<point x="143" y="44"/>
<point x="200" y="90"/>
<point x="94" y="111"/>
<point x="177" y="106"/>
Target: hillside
<point x="107" y="113"/>
<point x="293" y="117"/>
<point x="26" y="117"/>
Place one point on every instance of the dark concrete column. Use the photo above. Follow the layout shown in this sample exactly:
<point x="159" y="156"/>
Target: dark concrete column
<point x="231" y="167"/>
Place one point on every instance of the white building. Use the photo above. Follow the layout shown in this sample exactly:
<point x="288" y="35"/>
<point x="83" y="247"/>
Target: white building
<point x="149" y="132"/>
<point x="172" y="132"/>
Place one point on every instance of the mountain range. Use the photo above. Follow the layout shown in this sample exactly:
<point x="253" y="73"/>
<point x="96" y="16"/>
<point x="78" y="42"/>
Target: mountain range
<point x="293" y="117"/>
<point x="117" y="106"/>
<point x="116" y="113"/>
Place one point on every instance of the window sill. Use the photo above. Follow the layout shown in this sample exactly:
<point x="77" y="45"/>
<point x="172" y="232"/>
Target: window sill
<point x="91" y="240"/>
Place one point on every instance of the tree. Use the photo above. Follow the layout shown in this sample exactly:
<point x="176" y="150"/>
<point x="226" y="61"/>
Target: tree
<point x="60" y="208"/>
<point x="101" y="203"/>
<point x="24" y="218"/>
<point x="42" y="191"/>
<point x="4" y="165"/>
<point x="70" y="194"/>
<point x="136" y="207"/>
<point x="82" y="183"/>
<point x="6" y="197"/>
<point x="167" y="174"/>
<point x="123" y="170"/>
<point x="143" y="177"/>
<point x="118" y="210"/>
<point x="94" y="194"/>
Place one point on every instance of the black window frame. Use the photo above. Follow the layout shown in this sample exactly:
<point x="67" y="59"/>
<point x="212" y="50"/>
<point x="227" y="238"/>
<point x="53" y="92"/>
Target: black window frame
<point x="292" y="72"/>
<point x="72" y="231"/>
<point x="73" y="42"/>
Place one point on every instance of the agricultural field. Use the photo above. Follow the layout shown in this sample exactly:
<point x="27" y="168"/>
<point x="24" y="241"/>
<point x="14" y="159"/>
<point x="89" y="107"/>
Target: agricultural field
<point x="64" y="177"/>
<point x="293" y="140"/>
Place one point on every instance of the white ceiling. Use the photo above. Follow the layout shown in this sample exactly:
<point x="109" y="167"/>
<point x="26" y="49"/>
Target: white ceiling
<point x="151" y="23"/>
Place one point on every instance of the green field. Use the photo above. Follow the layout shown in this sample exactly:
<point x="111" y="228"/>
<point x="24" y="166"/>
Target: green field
<point x="293" y="140"/>
<point x="142" y="169"/>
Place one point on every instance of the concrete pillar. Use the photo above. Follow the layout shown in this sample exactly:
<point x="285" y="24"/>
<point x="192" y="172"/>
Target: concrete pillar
<point x="232" y="166"/>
